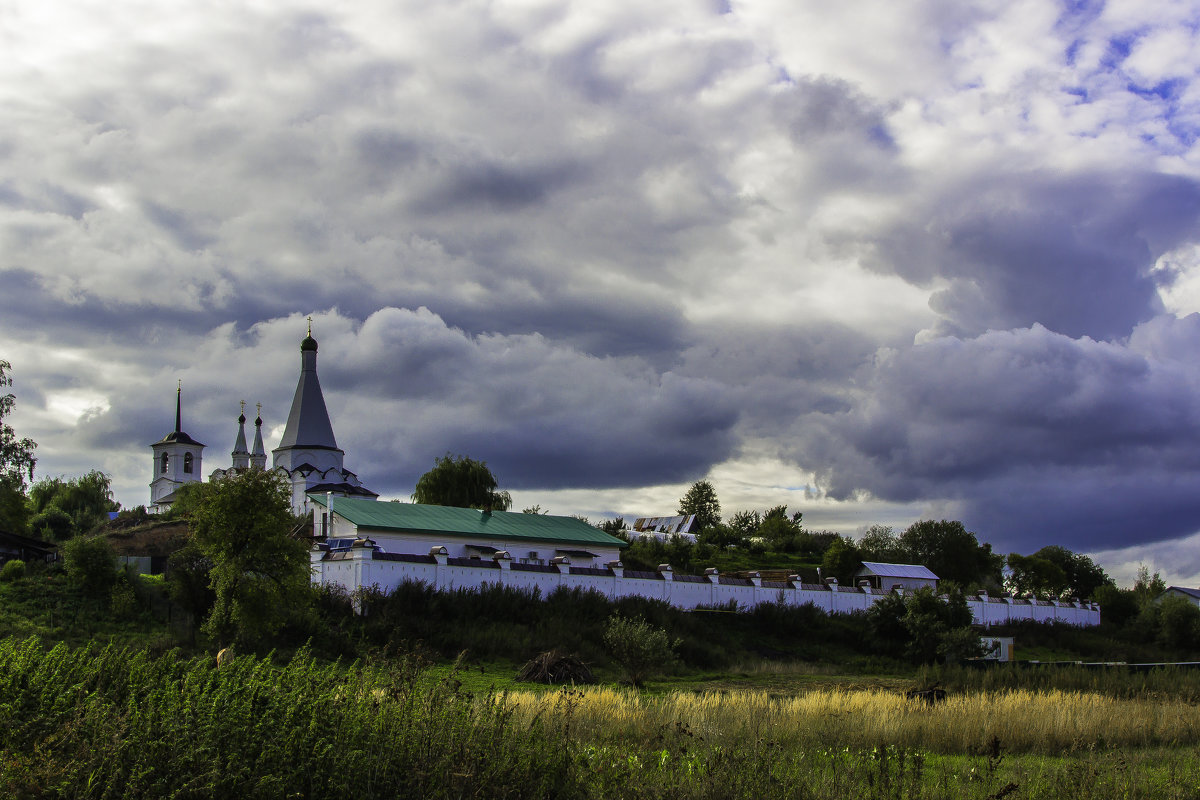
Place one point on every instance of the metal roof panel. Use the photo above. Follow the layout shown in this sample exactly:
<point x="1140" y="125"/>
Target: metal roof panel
<point x="897" y="570"/>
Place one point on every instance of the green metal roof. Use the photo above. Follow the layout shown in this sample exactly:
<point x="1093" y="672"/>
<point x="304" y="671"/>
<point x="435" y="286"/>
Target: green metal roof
<point x="375" y="515"/>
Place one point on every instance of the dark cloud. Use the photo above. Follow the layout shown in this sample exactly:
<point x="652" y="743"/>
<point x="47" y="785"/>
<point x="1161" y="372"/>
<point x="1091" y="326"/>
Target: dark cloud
<point x="1004" y="422"/>
<point x="1072" y="252"/>
<point x="542" y="414"/>
<point x="495" y="186"/>
<point x="402" y="388"/>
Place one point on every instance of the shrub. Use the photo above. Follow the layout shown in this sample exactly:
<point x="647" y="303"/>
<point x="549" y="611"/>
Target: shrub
<point x="53" y="524"/>
<point x="924" y="627"/>
<point x="125" y="602"/>
<point x="641" y="649"/>
<point x="12" y="571"/>
<point x="1179" y="623"/>
<point x="91" y="565"/>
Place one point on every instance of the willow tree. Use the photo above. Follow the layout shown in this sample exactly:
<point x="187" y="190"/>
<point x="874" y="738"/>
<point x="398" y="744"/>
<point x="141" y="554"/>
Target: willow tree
<point x="461" y="482"/>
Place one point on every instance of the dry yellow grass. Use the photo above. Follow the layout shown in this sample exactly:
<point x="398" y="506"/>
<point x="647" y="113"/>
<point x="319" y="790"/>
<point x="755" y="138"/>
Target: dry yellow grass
<point x="1023" y="721"/>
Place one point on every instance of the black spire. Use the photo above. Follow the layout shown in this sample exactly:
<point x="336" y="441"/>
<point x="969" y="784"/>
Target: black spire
<point x="178" y="435"/>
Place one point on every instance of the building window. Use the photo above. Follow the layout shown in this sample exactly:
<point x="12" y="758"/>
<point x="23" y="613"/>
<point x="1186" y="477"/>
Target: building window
<point x="187" y="463"/>
<point x="163" y="468"/>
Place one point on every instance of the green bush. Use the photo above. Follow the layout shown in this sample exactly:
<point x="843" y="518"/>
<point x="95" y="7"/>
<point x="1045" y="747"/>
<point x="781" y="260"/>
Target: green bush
<point x="91" y="565"/>
<point x="12" y="571"/>
<point x="53" y="524"/>
<point x="641" y="649"/>
<point x="1179" y="623"/>
<point x="923" y="628"/>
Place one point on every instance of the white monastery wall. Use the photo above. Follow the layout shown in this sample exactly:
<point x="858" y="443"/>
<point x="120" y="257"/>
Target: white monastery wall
<point x="364" y="567"/>
<point x="423" y="543"/>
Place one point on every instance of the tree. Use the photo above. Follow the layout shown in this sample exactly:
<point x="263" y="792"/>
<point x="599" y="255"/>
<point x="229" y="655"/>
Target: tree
<point x="16" y="462"/>
<point x="815" y="543"/>
<point x="1031" y="575"/>
<point x="640" y="648"/>
<point x="923" y="628"/>
<point x="952" y="552"/>
<point x="86" y="500"/>
<point x="1179" y="623"/>
<point x="258" y="572"/>
<point x="1082" y="575"/>
<point x="841" y="560"/>
<point x="1146" y="588"/>
<point x="880" y="543"/>
<point x="720" y="537"/>
<point x="701" y="500"/>
<point x="1117" y="605"/>
<point x="189" y="580"/>
<point x="188" y="498"/>
<point x="461" y="482"/>
<point x="53" y="524"/>
<point x="614" y="526"/>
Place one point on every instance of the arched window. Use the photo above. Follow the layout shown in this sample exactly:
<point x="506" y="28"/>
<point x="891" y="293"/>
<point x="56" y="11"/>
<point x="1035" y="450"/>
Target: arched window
<point x="187" y="462"/>
<point x="164" y="463"/>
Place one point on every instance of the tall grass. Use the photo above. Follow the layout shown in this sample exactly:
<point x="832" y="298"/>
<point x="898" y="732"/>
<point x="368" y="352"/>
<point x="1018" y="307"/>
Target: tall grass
<point x="1167" y="682"/>
<point x="108" y="722"/>
<point x="1034" y="722"/>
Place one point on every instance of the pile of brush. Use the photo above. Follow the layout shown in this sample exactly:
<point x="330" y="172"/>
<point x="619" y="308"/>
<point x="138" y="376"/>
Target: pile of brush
<point x="556" y="667"/>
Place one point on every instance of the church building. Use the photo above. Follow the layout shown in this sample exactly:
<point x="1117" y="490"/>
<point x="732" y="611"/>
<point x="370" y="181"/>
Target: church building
<point x="176" y="461"/>
<point x="307" y="456"/>
<point x="345" y="512"/>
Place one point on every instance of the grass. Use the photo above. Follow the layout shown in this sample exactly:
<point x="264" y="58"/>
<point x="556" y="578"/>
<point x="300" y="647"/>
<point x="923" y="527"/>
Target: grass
<point x="110" y="722"/>
<point x="46" y="604"/>
<point x="1159" y="683"/>
<point x="817" y="717"/>
<point x="1027" y="722"/>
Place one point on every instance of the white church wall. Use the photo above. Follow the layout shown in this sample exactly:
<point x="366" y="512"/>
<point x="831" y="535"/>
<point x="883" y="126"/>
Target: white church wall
<point x="363" y="567"/>
<point x="460" y="546"/>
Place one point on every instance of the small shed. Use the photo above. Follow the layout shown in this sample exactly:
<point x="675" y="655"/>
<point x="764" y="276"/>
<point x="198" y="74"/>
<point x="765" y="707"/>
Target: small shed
<point x="892" y="576"/>
<point x="664" y="528"/>
<point x="15" y="547"/>
<point x="997" y="648"/>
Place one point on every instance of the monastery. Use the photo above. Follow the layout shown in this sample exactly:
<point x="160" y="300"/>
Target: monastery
<point x="307" y="455"/>
<point x="344" y="510"/>
<point x="361" y="543"/>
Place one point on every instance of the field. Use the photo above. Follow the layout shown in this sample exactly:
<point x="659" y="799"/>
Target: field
<point x="119" y="699"/>
<point x="112" y="722"/>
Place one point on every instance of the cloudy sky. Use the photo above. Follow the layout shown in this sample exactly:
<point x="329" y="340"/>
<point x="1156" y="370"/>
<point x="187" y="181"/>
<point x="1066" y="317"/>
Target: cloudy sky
<point x="878" y="261"/>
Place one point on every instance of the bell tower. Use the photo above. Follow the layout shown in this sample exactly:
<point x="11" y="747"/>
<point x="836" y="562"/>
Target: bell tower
<point x="177" y="459"/>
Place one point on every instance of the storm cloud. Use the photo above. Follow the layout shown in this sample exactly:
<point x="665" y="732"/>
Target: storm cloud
<point x="874" y="261"/>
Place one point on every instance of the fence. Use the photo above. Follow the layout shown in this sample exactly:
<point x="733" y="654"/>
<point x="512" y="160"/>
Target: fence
<point x="364" y="565"/>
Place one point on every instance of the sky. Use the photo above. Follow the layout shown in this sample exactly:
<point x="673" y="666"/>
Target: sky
<point x="875" y="261"/>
